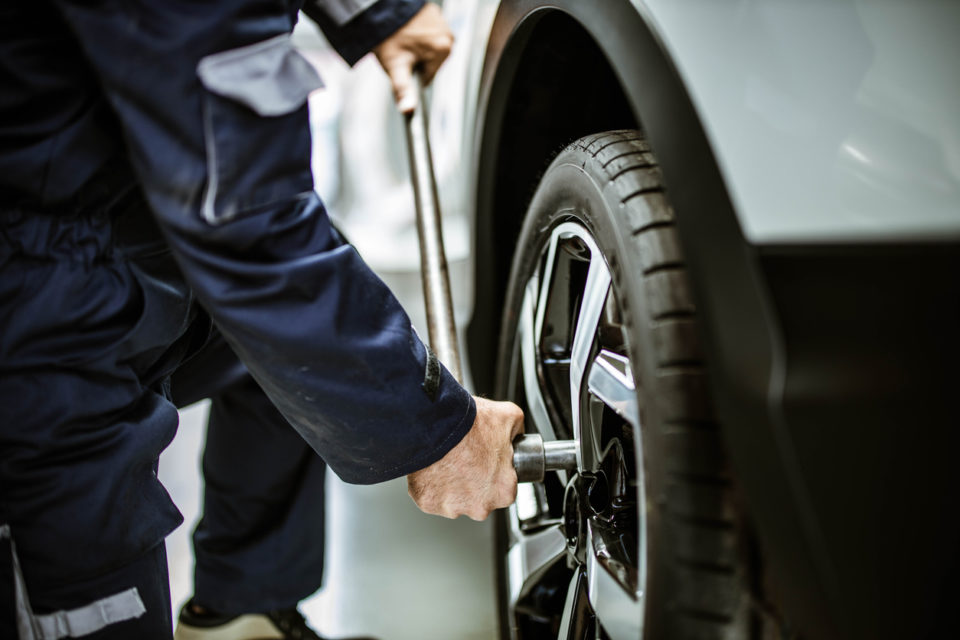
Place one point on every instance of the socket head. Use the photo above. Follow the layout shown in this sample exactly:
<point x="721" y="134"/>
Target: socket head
<point x="528" y="458"/>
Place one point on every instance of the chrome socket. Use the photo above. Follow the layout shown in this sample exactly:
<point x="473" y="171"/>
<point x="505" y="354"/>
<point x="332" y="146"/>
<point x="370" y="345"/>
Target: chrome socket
<point x="532" y="457"/>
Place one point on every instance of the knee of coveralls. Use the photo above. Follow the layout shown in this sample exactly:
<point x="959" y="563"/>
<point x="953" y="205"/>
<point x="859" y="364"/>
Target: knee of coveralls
<point x="260" y="542"/>
<point x="95" y="316"/>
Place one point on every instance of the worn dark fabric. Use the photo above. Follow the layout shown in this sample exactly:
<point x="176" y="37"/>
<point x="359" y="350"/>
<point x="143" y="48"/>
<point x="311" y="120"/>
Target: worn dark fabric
<point x="318" y="330"/>
<point x="147" y="573"/>
<point x="260" y="542"/>
<point x="95" y="317"/>
<point x="56" y="125"/>
<point x="356" y="37"/>
<point x="131" y="196"/>
<point x="8" y="620"/>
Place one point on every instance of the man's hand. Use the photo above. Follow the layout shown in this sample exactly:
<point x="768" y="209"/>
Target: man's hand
<point x="424" y="42"/>
<point x="477" y="475"/>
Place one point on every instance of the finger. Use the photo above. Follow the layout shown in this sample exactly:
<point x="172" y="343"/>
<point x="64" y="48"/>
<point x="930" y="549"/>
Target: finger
<point x="442" y="510"/>
<point x="508" y="484"/>
<point x="507" y="497"/>
<point x="428" y="69"/>
<point x="426" y="507"/>
<point x="478" y="515"/>
<point x="517" y="427"/>
<point x="431" y="63"/>
<point x="407" y="101"/>
<point x="401" y="79"/>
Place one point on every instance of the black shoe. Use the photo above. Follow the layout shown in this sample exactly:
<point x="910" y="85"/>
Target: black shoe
<point x="281" y="624"/>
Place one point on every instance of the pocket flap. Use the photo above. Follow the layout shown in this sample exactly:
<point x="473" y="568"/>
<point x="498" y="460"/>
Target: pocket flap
<point x="270" y="77"/>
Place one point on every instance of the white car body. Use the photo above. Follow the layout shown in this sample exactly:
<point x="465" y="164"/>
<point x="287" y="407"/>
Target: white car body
<point x="835" y="138"/>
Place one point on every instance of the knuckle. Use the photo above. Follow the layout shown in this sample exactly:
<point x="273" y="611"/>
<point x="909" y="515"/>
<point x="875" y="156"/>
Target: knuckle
<point x="478" y="515"/>
<point x="442" y="43"/>
<point x="507" y="489"/>
<point x="414" y="491"/>
<point x="427" y="503"/>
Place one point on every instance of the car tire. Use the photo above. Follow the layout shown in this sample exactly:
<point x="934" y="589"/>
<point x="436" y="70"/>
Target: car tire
<point x="600" y="344"/>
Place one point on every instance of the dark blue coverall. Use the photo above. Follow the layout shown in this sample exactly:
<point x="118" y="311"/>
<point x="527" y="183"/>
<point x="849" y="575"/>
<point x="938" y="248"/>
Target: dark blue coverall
<point x="155" y="176"/>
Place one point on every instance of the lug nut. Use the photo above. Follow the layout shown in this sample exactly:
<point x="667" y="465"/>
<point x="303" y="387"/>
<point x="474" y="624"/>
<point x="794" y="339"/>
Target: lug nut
<point x="532" y="457"/>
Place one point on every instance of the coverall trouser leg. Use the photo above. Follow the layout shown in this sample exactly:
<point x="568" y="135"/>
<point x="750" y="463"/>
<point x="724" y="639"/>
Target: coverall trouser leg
<point x="95" y="318"/>
<point x="259" y="544"/>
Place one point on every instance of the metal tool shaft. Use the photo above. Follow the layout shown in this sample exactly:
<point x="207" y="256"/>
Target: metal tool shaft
<point x="532" y="458"/>
<point x="441" y="326"/>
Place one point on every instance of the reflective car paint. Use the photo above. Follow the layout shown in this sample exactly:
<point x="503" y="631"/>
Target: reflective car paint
<point x="830" y="121"/>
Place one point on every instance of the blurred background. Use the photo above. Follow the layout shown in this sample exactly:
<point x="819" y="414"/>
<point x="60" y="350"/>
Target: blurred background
<point x="391" y="571"/>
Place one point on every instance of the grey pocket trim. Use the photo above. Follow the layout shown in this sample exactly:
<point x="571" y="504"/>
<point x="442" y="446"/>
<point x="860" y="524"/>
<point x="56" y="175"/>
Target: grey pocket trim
<point x="74" y="623"/>
<point x="208" y="208"/>
<point x="270" y="77"/>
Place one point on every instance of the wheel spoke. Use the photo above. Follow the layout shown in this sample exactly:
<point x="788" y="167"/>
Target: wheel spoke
<point x="577" y="617"/>
<point x="532" y="553"/>
<point x="592" y="305"/>
<point x="571" y="389"/>
<point x="619" y="610"/>
<point x="611" y="380"/>
<point x="536" y="407"/>
<point x="594" y="297"/>
<point x="546" y="279"/>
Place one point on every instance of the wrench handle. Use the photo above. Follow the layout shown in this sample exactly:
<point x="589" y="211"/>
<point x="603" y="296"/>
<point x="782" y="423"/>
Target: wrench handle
<point x="441" y="324"/>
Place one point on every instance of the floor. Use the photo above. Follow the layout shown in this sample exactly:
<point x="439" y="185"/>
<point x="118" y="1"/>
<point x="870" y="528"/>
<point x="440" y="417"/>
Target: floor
<point x="392" y="571"/>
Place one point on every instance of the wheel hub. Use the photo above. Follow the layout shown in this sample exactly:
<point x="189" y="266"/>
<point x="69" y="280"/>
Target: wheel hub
<point x="574" y="527"/>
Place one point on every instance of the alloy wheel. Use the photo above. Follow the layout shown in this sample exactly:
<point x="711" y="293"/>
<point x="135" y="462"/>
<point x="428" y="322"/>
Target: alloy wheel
<point x="576" y="543"/>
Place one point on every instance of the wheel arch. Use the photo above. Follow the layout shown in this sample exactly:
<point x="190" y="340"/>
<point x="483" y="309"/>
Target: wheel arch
<point x="526" y="116"/>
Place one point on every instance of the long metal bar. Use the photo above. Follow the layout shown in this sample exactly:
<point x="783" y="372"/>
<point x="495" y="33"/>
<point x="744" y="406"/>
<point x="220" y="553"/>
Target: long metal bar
<point x="532" y="457"/>
<point x="441" y="325"/>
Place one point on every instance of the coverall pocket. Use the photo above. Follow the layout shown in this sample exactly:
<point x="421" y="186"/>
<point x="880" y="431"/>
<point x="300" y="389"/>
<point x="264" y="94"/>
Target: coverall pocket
<point x="256" y="127"/>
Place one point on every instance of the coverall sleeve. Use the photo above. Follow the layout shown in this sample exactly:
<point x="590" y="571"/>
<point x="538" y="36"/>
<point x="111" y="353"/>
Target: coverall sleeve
<point x="211" y="102"/>
<point x="354" y="27"/>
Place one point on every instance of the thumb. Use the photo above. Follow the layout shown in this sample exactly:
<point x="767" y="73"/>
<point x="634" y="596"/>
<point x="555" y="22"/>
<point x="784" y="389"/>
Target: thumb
<point x="401" y="79"/>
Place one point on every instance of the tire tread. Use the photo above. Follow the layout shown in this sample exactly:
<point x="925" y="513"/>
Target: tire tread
<point x="700" y="509"/>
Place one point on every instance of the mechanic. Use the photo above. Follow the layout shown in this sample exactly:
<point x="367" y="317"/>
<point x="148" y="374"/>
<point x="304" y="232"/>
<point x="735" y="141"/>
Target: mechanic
<point x="156" y="202"/>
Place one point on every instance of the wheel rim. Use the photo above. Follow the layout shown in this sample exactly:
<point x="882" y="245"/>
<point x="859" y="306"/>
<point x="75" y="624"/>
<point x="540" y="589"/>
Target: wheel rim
<point x="576" y="544"/>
